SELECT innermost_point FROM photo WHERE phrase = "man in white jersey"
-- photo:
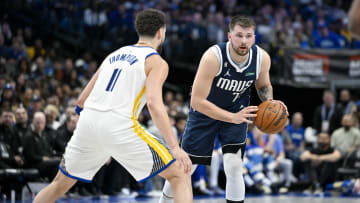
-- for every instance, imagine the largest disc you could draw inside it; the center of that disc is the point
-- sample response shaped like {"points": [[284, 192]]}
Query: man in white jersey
{"points": [[108, 127]]}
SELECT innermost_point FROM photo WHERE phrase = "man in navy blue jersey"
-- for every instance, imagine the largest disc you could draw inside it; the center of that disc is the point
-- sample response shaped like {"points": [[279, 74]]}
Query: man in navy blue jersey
{"points": [[219, 103]]}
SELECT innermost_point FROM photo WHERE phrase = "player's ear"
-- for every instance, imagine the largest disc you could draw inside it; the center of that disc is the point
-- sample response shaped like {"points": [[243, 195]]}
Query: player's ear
{"points": [[229, 36]]}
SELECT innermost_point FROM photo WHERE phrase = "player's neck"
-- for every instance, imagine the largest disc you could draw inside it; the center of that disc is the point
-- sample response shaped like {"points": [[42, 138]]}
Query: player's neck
{"points": [[146, 42]]}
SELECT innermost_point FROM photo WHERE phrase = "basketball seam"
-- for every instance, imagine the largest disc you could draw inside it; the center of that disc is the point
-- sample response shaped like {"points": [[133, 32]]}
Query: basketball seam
{"points": [[273, 119], [276, 129], [263, 114]]}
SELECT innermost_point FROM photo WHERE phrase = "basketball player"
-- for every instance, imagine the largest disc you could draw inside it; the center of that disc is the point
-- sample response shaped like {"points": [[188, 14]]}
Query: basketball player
{"points": [[354, 19], [108, 125], [219, 103]]}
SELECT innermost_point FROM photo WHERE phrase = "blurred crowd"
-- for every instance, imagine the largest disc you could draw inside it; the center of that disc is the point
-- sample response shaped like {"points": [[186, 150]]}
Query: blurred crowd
{"points": [[41, 78], [109, 23]]}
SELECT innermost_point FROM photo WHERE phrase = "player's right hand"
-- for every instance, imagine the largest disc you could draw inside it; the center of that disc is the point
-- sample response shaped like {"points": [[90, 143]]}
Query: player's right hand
{"points": [[244, 114], [183, 158]]}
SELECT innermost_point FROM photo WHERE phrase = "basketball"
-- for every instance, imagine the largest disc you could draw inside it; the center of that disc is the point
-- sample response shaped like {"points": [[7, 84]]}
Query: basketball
{"points": [[271, 117]]}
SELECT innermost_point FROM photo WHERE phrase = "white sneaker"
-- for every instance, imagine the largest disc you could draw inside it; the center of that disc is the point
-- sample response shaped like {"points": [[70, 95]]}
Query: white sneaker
{"points": [[283, 190], [266, 189]]}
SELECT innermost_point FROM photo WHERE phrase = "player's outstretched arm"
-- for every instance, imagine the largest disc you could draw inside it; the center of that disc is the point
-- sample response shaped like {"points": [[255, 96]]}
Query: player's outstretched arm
{"points": [[354, 19], [157, 70], [86, 92], [207, 71]]}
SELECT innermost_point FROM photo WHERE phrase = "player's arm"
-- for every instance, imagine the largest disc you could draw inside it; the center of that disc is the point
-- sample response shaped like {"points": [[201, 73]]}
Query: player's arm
{"points": [[86, 92], [354, 19], [207, 71], [263, 84], [157, 70]]}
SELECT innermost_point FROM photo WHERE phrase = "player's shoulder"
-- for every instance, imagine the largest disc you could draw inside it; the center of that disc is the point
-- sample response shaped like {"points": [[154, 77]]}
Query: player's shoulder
{"points": [[156, 60], [265, 55], [213, 53]]}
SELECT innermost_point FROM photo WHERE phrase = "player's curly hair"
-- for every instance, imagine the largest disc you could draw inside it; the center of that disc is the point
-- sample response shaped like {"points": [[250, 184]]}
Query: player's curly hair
{"points": [[149, 21], [243, 21]]}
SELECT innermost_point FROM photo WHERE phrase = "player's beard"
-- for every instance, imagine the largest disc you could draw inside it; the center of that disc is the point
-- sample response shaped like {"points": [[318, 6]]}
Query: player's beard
{"points": [[238, 50]]}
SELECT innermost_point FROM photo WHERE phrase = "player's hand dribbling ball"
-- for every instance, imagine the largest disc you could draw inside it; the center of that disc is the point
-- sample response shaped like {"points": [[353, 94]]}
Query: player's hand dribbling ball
{"points": [[271, 117]]}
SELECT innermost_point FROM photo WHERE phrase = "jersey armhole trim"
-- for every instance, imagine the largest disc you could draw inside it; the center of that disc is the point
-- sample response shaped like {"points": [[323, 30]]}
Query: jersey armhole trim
{"points": [[217, 52], [258, 61], [153, 53]]}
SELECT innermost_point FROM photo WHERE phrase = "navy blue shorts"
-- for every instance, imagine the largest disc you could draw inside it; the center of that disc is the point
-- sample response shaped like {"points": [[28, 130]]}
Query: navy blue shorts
{"points": [[200, 133]]}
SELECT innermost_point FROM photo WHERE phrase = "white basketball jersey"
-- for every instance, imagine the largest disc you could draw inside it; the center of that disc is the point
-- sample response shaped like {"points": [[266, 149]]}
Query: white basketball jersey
{"points": [[120, 86]]}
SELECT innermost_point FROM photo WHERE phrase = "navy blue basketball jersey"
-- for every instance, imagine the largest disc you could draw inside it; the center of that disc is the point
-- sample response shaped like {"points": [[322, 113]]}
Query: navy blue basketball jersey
{"points": [[231, 88]]}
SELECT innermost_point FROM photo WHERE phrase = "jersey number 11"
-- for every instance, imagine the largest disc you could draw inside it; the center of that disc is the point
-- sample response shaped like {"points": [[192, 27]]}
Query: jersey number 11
{"points": [[113, 80]]}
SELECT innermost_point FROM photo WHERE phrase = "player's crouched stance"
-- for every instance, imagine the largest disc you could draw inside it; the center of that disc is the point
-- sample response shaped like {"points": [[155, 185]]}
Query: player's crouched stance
{"points": [[127, 79]]}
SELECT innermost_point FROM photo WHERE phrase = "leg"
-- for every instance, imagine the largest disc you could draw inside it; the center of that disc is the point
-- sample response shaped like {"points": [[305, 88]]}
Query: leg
{"points": [[198, 140], [286, 166], [179, 181], [55, 189], [214, 169], [167, 195], [327, 174], [233, 141], [235, 186]]}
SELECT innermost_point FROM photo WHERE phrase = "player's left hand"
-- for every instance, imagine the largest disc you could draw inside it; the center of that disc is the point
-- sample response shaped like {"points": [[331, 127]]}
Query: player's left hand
{"points": [[180, 155], [282, 104]]}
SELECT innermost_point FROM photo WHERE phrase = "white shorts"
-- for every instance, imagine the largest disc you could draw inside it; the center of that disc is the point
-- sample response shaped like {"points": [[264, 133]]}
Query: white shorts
{"points": [[101, 135]]}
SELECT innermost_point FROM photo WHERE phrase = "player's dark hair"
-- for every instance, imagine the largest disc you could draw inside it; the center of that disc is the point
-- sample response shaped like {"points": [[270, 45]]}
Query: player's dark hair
{"points": [[242, 21], [148, 22]]}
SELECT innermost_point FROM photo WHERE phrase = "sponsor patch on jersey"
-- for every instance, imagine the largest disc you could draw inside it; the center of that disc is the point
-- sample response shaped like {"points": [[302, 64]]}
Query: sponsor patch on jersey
{"points": [[249, 74]]}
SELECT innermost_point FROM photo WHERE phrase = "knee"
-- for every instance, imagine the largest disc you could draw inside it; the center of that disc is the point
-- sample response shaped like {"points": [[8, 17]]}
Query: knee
{"points": [[233, 164], [175, 173]]}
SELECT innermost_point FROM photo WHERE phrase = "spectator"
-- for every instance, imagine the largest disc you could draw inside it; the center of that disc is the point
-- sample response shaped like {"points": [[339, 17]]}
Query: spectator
{"points": [[295, 133], [38, 152], [327, 117], [8, 98], [275, 146], [345, 104], [69, 111], [10, 156], [327, 39], [35, 105], [64, 133], [295, 141], [52, 114], [21, 126], [347, 138], [257, 162], [215, 167], [321, 163]]}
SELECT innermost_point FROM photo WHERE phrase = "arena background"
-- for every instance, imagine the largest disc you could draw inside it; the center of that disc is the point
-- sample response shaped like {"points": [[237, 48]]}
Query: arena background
{"points": [[66, 33]]}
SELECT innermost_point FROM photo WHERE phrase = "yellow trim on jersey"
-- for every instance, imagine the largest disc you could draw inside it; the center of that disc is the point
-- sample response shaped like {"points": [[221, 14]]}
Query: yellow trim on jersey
{"points": [[159, 148]]}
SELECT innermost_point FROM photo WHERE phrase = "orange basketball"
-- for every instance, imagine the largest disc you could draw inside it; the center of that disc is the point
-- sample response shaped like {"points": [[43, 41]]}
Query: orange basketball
{"points": [[271, 117]]}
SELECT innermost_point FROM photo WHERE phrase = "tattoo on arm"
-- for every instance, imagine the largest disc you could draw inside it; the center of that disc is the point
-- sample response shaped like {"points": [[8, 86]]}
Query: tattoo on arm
{"points": [[265, 93]]}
